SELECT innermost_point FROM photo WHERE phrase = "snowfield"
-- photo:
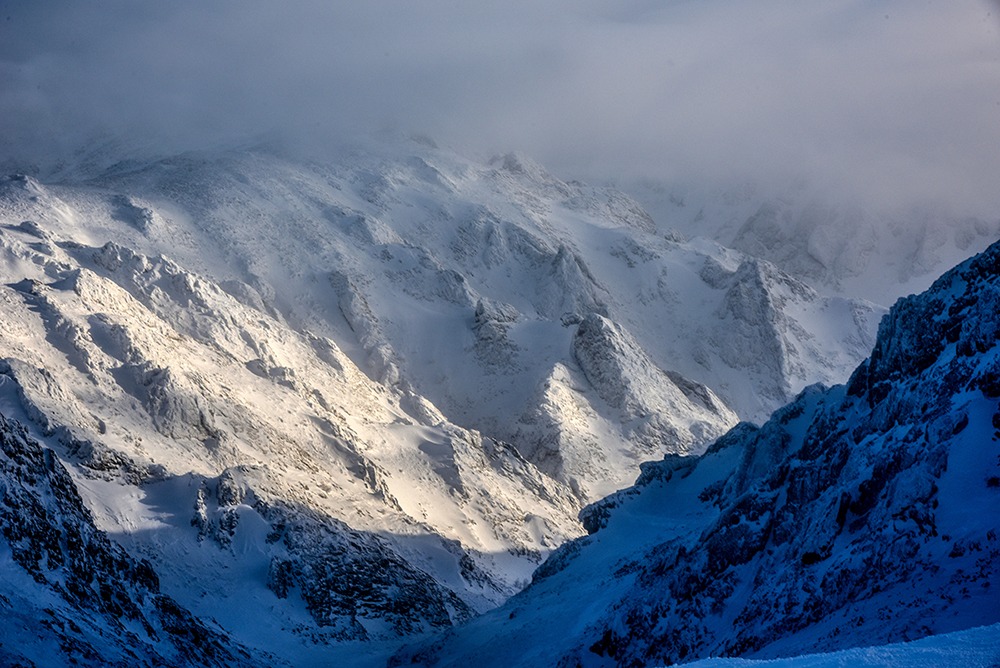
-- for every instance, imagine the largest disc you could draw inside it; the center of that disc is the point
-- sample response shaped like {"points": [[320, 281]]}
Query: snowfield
{"points": [[974, 648]]}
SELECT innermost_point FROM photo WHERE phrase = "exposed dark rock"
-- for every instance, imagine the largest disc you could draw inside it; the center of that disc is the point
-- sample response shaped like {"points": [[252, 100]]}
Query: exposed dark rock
{"points": [[110, 603]]}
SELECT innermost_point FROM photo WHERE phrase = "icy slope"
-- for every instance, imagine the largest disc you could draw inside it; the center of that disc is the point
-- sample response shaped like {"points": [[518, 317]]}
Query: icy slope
{"points": [[858, 515]]}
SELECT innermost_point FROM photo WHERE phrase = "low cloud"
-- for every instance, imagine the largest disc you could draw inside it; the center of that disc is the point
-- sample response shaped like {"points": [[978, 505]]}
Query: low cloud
{"points": [[895, 101]]}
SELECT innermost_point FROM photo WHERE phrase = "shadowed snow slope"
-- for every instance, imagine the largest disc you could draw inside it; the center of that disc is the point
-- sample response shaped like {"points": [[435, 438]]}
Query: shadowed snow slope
{"points": [[71, 595], [978, 647], [856, 515]]}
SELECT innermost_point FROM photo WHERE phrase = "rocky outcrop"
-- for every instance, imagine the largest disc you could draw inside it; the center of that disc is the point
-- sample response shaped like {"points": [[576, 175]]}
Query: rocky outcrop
{"points": [[87, 601]]}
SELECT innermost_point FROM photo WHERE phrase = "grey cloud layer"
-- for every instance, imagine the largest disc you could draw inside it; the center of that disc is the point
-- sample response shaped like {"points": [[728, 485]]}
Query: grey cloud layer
{"points": [[894, 100]]}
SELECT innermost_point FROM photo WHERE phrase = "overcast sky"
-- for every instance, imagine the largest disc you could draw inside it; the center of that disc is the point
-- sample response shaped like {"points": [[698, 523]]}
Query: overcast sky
{"points": [[891, 99]]}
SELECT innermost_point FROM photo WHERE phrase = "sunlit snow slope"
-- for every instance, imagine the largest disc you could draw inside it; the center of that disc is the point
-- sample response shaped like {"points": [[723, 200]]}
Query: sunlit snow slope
{"points": [[463, 283]]}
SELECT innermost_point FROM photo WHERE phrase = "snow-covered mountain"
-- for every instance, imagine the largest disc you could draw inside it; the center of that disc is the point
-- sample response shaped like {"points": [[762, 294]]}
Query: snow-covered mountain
{"points": [[874, 252], [857, 515], [352, 401], [463, 282]]}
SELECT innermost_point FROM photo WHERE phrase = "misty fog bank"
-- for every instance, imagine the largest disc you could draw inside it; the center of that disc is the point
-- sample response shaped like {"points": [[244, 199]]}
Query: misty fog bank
{"points": [[892, 103]]}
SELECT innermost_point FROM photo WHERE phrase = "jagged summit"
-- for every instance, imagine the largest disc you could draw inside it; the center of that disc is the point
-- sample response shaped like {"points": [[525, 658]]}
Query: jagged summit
{"points": [[652, 402]]}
